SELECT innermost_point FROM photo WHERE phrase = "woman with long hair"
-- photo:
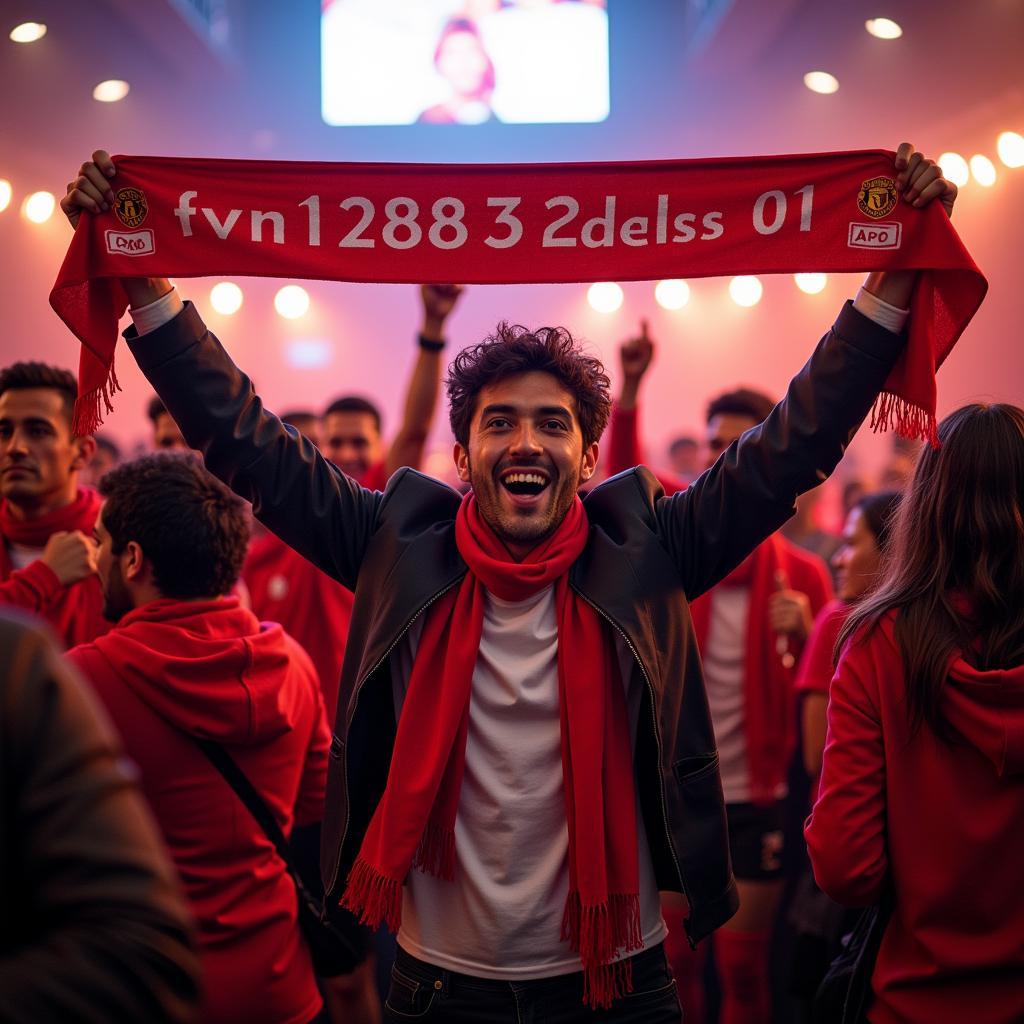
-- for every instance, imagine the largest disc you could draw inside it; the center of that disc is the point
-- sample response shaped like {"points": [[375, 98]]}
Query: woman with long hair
{"points": [[922, 787]]}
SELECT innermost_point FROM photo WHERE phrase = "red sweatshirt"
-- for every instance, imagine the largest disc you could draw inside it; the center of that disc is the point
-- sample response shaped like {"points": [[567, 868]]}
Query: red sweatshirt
{"points": [[945, 819], [75, 613], [816, 668], [171, 670]]}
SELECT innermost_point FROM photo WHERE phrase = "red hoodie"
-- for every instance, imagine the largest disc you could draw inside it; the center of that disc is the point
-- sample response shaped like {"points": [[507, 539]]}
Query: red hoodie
{"points": [[945, 819], [171, 670]]}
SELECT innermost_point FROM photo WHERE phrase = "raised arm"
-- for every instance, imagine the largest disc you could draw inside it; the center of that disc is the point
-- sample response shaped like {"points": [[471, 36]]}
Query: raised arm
{"points": [[309, 503], [421, 396], [624, 448], [750, 491]]}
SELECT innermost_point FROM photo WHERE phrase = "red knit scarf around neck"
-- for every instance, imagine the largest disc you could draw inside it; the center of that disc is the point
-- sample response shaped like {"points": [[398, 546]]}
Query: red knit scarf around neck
{"points": [[414, 823], [80, 514], [512, 224], [767, 683]]}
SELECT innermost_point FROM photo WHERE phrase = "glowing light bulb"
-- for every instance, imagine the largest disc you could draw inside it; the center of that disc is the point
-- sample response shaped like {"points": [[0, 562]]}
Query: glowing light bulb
{"points": [[110, 91], [983, 170], [746, 290], [291, 301], [672, 294], [226, 298], [28, 32], [5, 193], [39, 207], [883, 28], [954, 168], [1010, 147], [821, 81], [811, 284], [605, 296]]}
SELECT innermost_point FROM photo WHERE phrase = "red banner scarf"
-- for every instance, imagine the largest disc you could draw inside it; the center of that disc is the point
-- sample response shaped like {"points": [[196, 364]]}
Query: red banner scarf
{"points": [[80, 514], [414, 823], [509, 224], [767, 683]]}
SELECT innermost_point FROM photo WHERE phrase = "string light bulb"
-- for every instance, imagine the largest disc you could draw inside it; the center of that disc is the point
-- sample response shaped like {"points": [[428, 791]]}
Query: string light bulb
{"points": [[604, 296], [746, 290]]}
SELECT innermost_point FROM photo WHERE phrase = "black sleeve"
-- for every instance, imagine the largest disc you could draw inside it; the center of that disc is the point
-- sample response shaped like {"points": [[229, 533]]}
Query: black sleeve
{"points": [[750, 491], [306, 500], [93, 927]]}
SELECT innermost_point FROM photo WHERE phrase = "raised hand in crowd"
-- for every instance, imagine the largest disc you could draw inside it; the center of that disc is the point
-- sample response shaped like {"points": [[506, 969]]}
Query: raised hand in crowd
{"points": [[919, 181], [438, 302], [635, 356], [71, 555], [789, 611]]}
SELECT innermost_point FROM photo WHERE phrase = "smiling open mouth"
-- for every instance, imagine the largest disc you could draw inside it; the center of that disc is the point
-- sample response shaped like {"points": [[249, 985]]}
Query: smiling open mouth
{"points": [[527, 484]]}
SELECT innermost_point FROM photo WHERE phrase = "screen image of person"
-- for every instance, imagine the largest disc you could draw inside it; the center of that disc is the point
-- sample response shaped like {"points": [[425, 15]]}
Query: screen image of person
{"points": [[399, 62]]}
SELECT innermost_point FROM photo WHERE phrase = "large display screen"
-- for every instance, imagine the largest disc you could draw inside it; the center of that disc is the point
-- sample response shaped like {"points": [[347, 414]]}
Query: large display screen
{"points": [[396, 62]]}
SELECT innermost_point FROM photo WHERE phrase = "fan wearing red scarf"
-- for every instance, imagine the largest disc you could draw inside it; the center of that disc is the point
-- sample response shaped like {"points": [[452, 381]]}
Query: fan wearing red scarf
{"points": [[751, 628], [525, 756], [46, 518]]}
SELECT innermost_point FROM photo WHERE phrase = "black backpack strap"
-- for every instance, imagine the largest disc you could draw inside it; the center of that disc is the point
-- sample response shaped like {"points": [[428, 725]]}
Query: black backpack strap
{"points": [[239, 782]]}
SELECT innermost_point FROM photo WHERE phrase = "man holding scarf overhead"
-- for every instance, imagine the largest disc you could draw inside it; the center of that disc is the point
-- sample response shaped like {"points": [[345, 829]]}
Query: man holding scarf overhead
{"points": [[523, 756]]}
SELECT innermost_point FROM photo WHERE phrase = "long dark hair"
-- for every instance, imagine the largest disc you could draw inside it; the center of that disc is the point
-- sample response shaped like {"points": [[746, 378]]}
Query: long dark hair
{"points": [[955, 573]]}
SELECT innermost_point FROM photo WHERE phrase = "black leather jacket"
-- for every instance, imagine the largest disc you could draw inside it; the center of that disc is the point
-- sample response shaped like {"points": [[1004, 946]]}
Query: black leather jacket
{"points": [[646, 556]]}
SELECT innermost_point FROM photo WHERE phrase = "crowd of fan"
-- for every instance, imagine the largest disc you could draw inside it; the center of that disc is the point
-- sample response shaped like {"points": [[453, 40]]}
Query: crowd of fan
{"points": [[128, 877]]}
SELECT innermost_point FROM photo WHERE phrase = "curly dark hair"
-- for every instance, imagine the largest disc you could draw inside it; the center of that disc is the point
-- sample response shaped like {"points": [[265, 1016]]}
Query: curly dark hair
{"points": [[192, 529], [514, 349], [20, 376]]}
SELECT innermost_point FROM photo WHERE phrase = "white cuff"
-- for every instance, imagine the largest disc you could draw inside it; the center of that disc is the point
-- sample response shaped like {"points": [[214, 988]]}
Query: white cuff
{"points": [[892, 318], [155, 314]]}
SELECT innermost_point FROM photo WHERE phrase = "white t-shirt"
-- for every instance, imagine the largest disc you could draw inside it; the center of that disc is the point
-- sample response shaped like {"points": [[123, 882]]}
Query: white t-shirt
{"points": [[723, 658], [501, 916], [22, 556]]}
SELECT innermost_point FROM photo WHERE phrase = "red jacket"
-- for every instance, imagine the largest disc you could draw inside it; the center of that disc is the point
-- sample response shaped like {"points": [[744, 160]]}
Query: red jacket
{"points": [[171, 670], [75, 613], [945, 819], [312, 607], [817, 662]]}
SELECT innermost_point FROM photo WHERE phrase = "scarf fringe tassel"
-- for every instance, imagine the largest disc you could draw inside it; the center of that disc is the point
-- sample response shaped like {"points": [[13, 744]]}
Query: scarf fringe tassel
{"points": [[910, 421], [597, 933], [373, 897], [86, 418], [436, 853]]}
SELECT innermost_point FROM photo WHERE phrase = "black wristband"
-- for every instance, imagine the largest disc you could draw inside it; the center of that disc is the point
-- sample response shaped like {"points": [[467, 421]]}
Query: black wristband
{"points": [[429, 344]]}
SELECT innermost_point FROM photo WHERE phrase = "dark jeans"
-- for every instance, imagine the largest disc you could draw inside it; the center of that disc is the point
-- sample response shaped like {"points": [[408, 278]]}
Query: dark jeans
{"points": [[422, 992]]}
